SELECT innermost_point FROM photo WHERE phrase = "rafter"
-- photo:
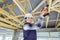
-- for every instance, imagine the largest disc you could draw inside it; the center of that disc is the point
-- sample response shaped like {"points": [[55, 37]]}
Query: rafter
{"points": [[32, 13], [10, 16], [56, 1], [56, 5], [1, 0], [14, 17], [57, 18], [7, 26], [49, 3], [57, 25], [55, 9], [4, 20], [54, 20], [38, 6], [19, 5], [11, 8], [25, 5], [30, 4]]}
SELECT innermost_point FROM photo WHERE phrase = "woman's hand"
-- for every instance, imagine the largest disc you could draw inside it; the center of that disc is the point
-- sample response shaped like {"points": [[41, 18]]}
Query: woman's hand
{"points": [[44, 11]]}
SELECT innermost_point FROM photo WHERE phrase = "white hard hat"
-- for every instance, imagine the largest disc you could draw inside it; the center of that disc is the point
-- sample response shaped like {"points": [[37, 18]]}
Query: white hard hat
{"points": [[28, 15]]}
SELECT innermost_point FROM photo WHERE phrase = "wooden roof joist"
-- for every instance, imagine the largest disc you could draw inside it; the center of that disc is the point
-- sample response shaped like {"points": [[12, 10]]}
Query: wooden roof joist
{"points": [[55, 1], [1, 0], [11, 11], [3, 16], [32, 13], [4, 20], [30, 4], [47, 19], [7, 26], [38, 6], [54, 9], [56, 6], [20, 6], [57, 25], [9, 16]]}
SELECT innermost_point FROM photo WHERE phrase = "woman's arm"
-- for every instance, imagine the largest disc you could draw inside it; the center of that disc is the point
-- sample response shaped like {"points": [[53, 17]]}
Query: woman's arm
{"points": [[44, 12], [40, 21]]}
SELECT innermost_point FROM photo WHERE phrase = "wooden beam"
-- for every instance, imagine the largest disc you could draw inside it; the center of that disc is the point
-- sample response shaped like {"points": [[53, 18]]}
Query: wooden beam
{"points": [[57, 18], [47, 20], [38, 5], [4, 20], [10, 16], [57, 25], [54, 20], [54, 9], [1, 0], [7, 26], [21, 15], [32, 13], [49, 3], [56, 1], [30, 4], [11, 10], [25, 3], [56, 6], [19, 5]]}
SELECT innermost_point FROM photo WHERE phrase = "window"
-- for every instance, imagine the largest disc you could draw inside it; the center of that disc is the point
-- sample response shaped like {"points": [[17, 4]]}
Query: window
{"points": [[8, 38], [1, 37]]}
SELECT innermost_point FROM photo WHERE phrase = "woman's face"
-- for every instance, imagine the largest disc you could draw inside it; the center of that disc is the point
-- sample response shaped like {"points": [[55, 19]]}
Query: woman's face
{"points": [[29, 20]]}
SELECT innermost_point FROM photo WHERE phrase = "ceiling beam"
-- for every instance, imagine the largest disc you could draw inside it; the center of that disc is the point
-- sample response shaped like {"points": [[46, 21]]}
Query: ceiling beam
{"points": [[1, 0], [54, 2], [7, 26], [10, 16], [57, 18], [54, 20], [11, 11], [38, 6], [30, 4], [32, 13], [19, 5], [55, 9], [47, 20], [57, 25], [11, 8], [25, 5], [4, 20], [56, 5]]}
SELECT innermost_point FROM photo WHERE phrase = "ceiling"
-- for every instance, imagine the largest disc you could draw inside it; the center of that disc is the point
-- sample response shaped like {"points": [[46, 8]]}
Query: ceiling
{"points": [[12, 12]]}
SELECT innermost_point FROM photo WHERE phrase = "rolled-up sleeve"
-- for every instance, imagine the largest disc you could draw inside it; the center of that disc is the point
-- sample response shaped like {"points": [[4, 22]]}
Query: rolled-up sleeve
{"points": [[40, 21]]}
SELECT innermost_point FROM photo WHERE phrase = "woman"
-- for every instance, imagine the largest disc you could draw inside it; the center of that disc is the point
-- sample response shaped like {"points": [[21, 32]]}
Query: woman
{"points": [[29, 28]]}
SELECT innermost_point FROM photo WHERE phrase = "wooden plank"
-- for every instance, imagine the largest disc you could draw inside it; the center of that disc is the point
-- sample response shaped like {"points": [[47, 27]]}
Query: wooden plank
{"points": [[4, 20], [7, 26], [30, 4], [9, 16], [49, 3], [57, 25], [19, 5], [54, 9], [56, 1], [38, 6]]}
